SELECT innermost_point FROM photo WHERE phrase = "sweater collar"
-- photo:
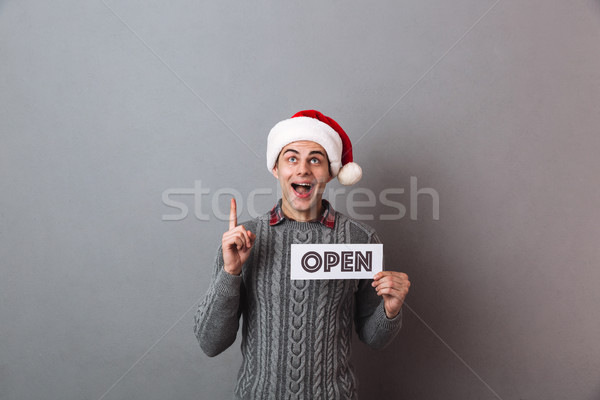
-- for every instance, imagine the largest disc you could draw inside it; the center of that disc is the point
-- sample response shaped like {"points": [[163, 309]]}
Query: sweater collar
{"points": [[326, 218]]}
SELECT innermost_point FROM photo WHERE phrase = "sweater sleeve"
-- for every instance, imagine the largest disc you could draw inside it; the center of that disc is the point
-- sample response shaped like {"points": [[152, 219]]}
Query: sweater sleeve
{"points": [[372, 324], [217, 319]]}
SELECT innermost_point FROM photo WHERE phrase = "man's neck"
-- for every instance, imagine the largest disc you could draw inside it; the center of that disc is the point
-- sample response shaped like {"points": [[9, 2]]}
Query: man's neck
{"points": [[302, 216]]}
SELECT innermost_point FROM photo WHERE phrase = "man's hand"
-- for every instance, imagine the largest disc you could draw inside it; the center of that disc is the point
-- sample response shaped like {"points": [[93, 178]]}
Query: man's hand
{"points": [[393, 286], [236, 243]]}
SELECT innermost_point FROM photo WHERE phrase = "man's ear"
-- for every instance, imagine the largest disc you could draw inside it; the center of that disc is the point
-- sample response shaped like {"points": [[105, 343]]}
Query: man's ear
{"points": [[330, 174], [274, 171]]}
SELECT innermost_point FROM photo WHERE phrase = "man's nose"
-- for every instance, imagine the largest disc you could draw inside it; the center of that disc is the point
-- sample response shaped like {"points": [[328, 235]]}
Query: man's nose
{"points": [[303, 168]]}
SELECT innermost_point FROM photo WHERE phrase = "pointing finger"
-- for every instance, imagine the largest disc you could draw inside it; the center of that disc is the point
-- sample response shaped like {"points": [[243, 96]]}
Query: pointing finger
{"points": [[232, 214]]}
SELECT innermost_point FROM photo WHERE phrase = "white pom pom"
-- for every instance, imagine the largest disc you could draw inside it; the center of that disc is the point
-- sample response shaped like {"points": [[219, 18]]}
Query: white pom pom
{"points": [[350, 174]]}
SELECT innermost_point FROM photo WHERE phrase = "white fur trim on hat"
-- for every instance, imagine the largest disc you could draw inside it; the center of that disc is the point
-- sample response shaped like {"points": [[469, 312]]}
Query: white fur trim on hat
{"points": [[350, 173], [305, 128]]}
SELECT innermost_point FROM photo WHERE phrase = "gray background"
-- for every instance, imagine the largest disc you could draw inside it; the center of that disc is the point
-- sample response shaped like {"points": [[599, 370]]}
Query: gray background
{"points": [[105, 105]]}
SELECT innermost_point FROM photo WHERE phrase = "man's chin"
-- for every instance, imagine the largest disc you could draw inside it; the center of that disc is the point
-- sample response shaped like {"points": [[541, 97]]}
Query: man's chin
{"points": [[303, 204]]}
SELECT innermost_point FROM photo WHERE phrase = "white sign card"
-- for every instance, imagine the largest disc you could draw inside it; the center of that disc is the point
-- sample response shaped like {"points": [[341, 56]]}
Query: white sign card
{"points": [[336, 261]]}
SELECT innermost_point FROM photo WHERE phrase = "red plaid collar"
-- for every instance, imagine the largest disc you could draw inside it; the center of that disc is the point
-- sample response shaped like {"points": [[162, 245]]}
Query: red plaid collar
{"points": [[327, 218]]}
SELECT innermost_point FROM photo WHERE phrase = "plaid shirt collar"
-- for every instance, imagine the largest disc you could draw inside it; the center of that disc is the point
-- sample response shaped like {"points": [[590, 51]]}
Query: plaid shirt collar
{"points": [[327, 218]]}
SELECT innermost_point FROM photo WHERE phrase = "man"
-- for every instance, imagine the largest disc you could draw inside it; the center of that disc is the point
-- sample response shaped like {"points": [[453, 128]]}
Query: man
{"points": [[296, 336]]}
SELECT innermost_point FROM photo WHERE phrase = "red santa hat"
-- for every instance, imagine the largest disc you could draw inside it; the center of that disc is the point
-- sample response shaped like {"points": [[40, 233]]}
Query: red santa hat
{"points": [[316, 127]]}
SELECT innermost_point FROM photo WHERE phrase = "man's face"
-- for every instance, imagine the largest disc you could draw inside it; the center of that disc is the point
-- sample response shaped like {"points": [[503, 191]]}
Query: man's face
{"points": [[302, 169]]}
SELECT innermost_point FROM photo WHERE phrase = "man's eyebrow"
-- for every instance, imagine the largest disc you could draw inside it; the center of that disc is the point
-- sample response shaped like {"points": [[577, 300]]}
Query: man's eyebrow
{"points": [[312, 152]]}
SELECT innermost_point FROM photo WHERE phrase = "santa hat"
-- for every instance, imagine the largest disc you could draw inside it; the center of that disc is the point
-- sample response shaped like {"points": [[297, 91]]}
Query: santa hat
{"points": [[316, 127]]}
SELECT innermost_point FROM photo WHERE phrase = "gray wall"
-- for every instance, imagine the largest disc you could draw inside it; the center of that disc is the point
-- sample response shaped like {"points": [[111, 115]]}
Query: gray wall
{"points": [[105, 105]]}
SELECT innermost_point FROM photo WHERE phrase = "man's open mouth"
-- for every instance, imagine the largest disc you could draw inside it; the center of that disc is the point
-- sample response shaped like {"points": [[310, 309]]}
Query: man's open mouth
{"points": [[302, 189]]}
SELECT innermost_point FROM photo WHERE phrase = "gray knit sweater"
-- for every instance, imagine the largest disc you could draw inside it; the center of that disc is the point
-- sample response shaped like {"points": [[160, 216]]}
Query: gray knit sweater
{"points": [[296, 335]]}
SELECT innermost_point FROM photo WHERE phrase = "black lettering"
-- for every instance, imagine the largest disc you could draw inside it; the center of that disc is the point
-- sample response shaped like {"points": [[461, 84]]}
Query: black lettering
{"points": [[346, 261], [311, 255], [361, 261], [331, 260]]}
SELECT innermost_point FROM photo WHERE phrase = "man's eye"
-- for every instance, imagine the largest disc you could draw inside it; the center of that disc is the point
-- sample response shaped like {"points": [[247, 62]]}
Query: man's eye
{"points": [[315, 160], [292, 159]]}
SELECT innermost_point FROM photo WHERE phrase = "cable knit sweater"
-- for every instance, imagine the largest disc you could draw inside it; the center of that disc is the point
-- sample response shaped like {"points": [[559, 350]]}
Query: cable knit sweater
{"points": [[296, 335]]}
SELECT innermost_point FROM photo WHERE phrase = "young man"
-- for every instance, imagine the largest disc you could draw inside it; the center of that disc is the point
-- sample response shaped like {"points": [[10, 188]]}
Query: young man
{"points": [[296, 336]]}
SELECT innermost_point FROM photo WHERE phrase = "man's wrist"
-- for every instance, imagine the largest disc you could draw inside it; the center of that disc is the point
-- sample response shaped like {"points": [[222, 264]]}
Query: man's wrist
{"points": [[391, 315], [233, 271]]}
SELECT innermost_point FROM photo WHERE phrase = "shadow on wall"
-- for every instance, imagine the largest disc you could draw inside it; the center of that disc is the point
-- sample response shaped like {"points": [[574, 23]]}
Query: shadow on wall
{"points": [[596, 6], [417, 365], [402, 369]]}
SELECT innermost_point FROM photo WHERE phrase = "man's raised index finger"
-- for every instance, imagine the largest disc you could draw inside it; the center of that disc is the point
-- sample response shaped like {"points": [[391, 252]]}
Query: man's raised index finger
{"points": [[233, 214]]}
